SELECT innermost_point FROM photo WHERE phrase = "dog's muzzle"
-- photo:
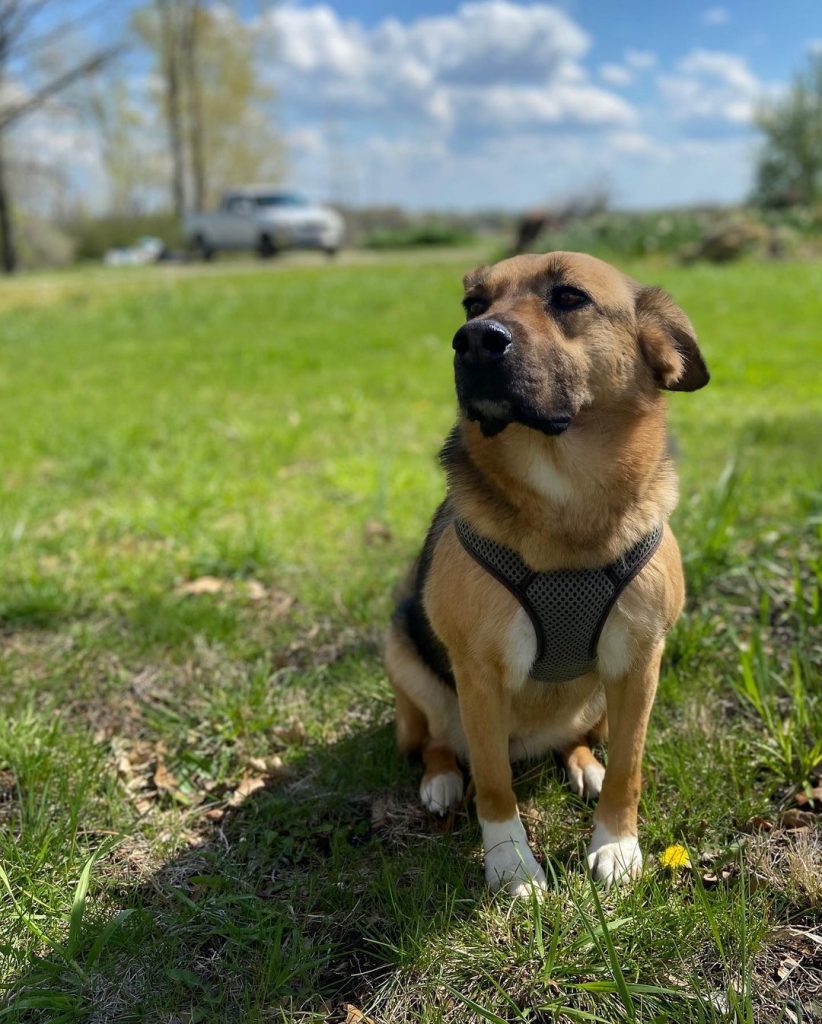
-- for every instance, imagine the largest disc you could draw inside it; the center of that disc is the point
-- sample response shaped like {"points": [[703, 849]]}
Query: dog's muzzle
{"points": [[489, 382]]}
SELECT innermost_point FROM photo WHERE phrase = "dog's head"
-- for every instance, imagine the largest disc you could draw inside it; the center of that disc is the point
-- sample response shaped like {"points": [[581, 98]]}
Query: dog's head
{"points": [[550, 336]]}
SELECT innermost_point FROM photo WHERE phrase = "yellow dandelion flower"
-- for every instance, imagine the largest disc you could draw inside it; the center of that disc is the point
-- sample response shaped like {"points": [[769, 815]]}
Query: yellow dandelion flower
{"points": [[675, 857]]}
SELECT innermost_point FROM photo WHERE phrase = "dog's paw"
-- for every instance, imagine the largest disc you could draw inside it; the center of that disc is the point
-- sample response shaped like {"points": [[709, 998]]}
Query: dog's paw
{"points": [[441, 793], [509, 862], [586, 781], [614, 859]]}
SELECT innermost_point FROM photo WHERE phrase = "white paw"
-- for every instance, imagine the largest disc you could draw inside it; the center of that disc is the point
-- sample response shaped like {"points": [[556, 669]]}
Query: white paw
{"points": [[586, 782], [508, 858], [440, 793], [614, 859]]}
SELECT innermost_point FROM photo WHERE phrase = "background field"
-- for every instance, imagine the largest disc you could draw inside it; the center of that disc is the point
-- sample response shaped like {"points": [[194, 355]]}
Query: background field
{"points": [[202, 817]]}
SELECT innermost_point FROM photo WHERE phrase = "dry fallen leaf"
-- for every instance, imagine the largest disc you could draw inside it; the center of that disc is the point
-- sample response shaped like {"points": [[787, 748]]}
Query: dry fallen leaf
{"points": [[255, 591], [291, 734], [163, 779], [203, 585], [712, 878], [376, 532], [812, 800], [247, 786], [757, 824], [787, 966], [355, 1016], [281, 603], [794, 820]]}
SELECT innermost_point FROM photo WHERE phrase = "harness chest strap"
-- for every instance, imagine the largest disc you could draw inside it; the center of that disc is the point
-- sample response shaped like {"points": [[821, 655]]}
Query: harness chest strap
{"points": [[568, 607]]}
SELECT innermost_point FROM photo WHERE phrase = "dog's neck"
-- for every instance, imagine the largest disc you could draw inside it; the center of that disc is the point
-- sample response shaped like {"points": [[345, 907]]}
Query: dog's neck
{"points": [[579, 499]]}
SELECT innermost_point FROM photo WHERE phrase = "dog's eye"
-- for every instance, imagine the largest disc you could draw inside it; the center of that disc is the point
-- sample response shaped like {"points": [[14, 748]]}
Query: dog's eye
{"points": [[474, 307], [565, 298]]}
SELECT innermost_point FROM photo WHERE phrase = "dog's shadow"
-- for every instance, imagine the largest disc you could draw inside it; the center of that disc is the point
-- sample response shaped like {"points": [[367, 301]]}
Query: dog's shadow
{"points": [[308, 894]]}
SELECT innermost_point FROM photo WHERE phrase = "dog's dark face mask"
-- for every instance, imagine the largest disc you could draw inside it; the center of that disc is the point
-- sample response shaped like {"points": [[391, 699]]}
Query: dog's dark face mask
{"points": [[498, 382], [550, 336]]}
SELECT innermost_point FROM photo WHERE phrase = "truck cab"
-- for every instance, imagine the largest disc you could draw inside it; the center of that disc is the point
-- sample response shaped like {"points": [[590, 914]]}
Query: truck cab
{"points": [[266, 220]]}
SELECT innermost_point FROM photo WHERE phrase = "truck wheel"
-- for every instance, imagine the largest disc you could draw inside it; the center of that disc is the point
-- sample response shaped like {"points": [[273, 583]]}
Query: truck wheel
{"points": [[331, 251], [204, 248], [266, 247]]}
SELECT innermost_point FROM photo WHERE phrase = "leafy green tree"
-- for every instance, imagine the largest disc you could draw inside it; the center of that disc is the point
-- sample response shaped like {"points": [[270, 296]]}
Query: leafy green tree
{"points": [[219, 119], [34, 70], [789, 171], [106, 105]]}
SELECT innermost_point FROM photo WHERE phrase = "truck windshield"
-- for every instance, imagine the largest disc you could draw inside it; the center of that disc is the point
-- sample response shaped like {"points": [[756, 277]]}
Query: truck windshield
{"points": [[280, 200]]}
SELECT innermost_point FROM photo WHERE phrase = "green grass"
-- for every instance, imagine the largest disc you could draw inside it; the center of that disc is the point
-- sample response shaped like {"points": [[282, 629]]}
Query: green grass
{"points": [[277, 430]]}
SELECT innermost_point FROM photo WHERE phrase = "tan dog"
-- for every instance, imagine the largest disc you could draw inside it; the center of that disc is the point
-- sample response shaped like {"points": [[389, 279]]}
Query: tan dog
{"points": [[559, 486]]}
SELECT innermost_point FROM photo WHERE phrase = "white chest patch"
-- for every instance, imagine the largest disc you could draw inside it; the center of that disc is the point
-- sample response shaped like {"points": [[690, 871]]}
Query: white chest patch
{"points": [[521, 648], [544, 478]]}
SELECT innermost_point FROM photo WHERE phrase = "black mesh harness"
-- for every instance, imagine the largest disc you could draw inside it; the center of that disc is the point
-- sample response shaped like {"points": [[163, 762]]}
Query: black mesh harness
{"points": [[568, 607]]}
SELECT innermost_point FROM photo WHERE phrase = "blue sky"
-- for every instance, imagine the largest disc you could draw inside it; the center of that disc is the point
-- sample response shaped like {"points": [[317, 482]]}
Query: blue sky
{"points": [[492, 103], [652, 101]]}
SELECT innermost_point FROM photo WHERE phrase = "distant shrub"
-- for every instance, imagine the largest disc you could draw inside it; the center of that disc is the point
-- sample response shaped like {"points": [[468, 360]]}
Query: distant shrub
{"points": [[805, 220], [715, 234], [630, 234], [426, 233], [730, 239], [93, 236], [42, 243]]}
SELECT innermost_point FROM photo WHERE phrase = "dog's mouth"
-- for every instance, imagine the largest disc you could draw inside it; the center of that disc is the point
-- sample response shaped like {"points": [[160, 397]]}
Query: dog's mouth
{"points": [[494, 416]]}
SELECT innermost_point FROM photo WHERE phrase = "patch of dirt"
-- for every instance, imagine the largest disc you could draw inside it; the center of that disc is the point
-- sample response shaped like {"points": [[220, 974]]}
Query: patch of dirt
{"points": [[325, 643], [788, 975]]}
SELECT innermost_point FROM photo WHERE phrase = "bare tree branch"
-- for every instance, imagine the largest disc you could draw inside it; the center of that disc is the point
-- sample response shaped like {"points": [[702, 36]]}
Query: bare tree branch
{"points": [[87, 67]]}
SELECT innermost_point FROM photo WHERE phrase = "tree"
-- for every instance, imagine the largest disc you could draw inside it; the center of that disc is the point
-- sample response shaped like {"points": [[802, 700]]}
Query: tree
{"points": [[31, 34], [107, 106], [192, 75], [217, 112], [790, 165]]}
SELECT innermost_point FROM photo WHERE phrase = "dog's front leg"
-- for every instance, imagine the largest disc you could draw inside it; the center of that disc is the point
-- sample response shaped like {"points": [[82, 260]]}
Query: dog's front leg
{"points": [[484, 703], [614, 854]]}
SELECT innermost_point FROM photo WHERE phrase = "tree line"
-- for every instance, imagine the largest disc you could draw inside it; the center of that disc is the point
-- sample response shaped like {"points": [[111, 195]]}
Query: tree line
{"points": [[209, 118], [206, 118]]}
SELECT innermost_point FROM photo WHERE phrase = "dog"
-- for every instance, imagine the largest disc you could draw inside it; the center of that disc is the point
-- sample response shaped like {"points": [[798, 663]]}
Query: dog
{"points": [[535, 617]]}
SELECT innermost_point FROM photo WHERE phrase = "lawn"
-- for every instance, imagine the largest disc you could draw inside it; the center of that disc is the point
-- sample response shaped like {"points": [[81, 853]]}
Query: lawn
{"points": [[210, 483]]}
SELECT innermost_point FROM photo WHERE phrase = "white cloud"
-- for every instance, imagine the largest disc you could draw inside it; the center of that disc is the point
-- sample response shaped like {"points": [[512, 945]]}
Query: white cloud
{"points": [[313, 39], [615, 74], [715, 16], [492, 40], [632, 142], [491, 62], [492, 103], [566, 104], [713, 86], [305, 142], [495, 103], [640, 60]]}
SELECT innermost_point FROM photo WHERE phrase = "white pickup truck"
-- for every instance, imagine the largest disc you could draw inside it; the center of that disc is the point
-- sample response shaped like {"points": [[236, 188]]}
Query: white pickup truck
{"points": [[262, 218]]}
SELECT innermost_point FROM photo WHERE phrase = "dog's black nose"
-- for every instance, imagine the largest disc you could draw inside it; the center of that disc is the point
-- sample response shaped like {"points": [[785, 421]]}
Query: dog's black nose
{"points": [[482, 341]]}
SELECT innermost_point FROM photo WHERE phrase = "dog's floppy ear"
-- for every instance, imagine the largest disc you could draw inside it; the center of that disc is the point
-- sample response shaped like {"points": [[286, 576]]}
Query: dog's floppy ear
{"points": [[668, 342]]}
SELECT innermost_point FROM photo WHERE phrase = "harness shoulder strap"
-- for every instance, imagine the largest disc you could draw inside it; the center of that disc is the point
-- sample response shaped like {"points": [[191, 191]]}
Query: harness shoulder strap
{"points": [[568, 607]]}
